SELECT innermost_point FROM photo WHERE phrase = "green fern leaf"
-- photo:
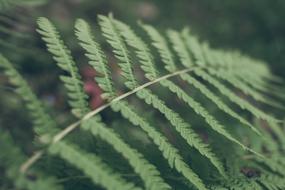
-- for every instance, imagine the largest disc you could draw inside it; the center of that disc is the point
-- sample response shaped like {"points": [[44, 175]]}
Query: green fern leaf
{"points": [[180, 125], [183, 128], [203, 89], [92, 166], [43, 123], [149, 174], [147, 171], [73, 83], [172, 155], [11, 157], [272, 182], [115, 40], [142, 51], [160, 43], [96, 56], [229, 77], [200, 110], [223, 89], [235, 99]]}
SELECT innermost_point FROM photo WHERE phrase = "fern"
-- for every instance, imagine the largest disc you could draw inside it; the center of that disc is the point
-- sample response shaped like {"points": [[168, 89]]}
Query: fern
{"points": [[10, 150], [43, 123], [272, 182], [246, 89], [202, 69], [89, 163], [182, 127], [96, 56], [115, 40], [224, 90], [148, 66], [146, 170], [172, 155], [167, 57], [168, 151], [77, 97]]}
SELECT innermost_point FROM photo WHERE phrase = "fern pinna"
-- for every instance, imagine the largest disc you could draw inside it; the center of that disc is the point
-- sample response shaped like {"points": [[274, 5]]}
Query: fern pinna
{"points": [[180, 142]]}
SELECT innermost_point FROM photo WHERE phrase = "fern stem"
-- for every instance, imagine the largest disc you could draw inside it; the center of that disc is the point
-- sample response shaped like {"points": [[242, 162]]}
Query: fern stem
{"points": [[59, 136]]}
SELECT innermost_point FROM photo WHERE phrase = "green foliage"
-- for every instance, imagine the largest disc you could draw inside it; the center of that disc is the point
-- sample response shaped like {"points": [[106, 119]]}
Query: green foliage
{"points": [[6, 4], [11, 157], [72, 82], [239, 153], [88, 163], [96, 56], [43, 123]]}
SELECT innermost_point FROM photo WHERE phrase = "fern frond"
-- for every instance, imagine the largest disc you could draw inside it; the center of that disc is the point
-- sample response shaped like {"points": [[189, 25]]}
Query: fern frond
{"points": [[142, 51], [235, 99], [272, 182], [185, 59], [179, 46], [223, 89], [175, 160], [239, 170], [180, 125], [200, 110], [147, 171], [114, 38], [263, 87], [149, 174], [239, 76], [73, 83], [10, 150], [229, 77], [92, 166], [183, 128], [241, 183], [169, 152], [277, 130], [43, 123], [145, 58], [160, 43], [272, 164], [259, 84], [167, 57], [96, 56], [204, 90]]}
